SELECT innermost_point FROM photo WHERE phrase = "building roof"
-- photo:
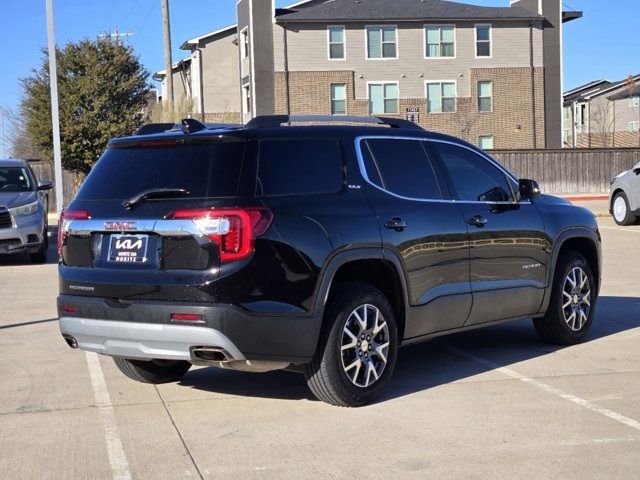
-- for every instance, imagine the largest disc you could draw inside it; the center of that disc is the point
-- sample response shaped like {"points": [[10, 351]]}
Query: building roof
{"points": [[159, 75], [194, 42], [627, 93], [381, 10], [595, 89]]}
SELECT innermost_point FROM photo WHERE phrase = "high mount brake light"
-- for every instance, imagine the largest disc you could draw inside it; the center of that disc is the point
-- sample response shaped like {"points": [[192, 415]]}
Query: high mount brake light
{"points": [[63, 225], [234, 230]]}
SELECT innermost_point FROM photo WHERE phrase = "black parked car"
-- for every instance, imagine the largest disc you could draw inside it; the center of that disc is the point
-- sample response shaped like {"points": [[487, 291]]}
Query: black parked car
{"points": [[320, 249]]}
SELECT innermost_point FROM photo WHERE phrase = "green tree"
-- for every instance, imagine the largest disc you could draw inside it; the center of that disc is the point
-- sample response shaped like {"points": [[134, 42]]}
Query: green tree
{"points": [[102, 90]]}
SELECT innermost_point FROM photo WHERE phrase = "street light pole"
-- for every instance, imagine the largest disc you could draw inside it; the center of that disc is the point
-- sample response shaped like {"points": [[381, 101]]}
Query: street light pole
{"points": [[55, 118]]}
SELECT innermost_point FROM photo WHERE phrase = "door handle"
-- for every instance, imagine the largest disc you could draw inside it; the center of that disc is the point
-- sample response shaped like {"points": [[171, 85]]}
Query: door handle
{"points": [[396, 223], [477, 221]]}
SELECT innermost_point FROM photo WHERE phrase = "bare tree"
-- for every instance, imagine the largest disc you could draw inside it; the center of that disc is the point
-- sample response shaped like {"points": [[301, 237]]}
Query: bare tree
{"points": [[633, 88], [464, 121], [16, 136], [602, 121]]}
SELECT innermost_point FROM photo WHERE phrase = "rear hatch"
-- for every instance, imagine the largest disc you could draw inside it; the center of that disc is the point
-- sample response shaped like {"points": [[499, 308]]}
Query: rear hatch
{"points": [[155, 219]]}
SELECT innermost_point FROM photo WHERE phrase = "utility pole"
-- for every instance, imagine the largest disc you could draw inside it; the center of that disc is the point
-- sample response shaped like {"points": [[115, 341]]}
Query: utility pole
{"points": [[166, 28], [55, 118]]}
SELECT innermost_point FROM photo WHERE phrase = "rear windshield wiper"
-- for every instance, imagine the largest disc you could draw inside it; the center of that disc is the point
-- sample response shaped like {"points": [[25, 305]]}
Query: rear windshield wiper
{"points": [[154, 193]]}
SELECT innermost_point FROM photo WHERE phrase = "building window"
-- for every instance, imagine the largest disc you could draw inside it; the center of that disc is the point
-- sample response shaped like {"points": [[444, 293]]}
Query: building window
{"points": [[634, 102], [567, 113], [441, 97], [338, 99], [440, 41], [483, 41], [246, 90], [485, 142], [383, 98], [485, 96], [634, 126], [244, 42], [336, 43], [566, 133], [382, 42]]}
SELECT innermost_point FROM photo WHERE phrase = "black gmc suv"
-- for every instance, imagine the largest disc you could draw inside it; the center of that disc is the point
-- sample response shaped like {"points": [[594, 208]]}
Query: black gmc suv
{"points": [[317, 248]]}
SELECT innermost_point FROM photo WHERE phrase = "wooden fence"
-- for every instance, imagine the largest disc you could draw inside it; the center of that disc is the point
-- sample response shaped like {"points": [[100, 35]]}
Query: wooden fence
{"points": [[570, 170], [71, 182], [566, 171]]}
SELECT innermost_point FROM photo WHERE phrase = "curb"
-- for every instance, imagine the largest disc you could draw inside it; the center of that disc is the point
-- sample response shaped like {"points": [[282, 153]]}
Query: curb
{"points": [[586, 198]]}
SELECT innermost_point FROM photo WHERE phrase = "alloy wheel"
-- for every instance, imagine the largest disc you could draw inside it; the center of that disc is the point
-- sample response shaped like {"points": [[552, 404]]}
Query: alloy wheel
{"points": [[576, 299], [364, 347], [619, 208]]}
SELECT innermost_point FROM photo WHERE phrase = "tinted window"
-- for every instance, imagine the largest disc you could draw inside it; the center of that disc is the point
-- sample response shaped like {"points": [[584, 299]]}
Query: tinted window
{"points": [[474, 177], [205, 170], [15, 179], [402, 167], [299, 166]]}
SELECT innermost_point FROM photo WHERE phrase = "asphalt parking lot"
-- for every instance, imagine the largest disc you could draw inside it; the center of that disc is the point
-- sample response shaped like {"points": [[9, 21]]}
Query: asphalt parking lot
{"points": [[492, 403]]}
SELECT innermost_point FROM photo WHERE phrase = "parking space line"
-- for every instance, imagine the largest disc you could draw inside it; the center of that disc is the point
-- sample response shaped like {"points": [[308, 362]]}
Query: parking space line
{"points": [[117, 457], [598, 441], [24, 324], [630, 422]]}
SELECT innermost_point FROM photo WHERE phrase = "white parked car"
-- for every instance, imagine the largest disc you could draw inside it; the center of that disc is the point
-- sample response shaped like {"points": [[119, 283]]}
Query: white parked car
{"points": [[624, 201]]}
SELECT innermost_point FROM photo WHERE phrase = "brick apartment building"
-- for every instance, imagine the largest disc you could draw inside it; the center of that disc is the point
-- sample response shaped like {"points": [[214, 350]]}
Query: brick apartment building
{"points": [[489, 74]]}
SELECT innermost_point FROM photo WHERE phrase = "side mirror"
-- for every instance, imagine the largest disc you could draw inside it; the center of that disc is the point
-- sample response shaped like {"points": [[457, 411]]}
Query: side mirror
{"points": [[529, 189], [45, 185], [636, 169]]}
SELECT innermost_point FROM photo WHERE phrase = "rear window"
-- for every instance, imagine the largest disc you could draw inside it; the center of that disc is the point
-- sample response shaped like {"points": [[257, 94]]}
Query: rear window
{"points": [[299, 166], [209, 169]]}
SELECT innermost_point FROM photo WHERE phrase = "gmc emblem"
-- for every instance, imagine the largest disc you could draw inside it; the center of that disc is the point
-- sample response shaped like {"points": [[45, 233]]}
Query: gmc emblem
{"points": [[120, 226]]}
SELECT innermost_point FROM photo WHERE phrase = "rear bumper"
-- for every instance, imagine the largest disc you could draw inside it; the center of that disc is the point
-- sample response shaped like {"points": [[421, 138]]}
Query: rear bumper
{"points": [[143, 329], [143, 340]]}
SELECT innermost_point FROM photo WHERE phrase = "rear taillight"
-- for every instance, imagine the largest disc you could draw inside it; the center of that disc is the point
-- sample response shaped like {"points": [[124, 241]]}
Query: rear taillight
{"points": [[232, 229], [63, 225], [186, 317]]}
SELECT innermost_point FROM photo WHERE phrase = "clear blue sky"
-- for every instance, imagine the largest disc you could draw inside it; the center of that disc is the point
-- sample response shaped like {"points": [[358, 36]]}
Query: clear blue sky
{"points": [[600, 45]]}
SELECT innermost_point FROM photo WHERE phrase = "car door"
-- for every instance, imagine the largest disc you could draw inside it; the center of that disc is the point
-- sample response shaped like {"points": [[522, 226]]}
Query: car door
{"points": [[425, 229], [508, 247]]}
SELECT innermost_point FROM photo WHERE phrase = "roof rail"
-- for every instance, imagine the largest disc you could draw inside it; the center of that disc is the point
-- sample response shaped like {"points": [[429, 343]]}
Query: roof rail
{"points": [[272, 121]]}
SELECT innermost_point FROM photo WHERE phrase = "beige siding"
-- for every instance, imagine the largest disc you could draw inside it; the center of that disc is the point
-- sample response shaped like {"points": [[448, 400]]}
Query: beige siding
{"points": [[307, 51], [220, 75]]}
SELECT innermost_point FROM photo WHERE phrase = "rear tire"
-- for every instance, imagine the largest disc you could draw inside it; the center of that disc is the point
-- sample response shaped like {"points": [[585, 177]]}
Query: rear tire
{"points": [[153, 371], [571, 307], [358, 347], [621, 210]]}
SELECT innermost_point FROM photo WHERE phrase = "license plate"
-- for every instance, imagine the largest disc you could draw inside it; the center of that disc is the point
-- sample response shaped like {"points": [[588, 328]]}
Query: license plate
{"points": [[128, 248]]}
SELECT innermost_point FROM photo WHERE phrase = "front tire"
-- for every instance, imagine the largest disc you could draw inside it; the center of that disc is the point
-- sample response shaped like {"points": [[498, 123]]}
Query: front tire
{"points": [[572, 304], [358, 348], [153, 371], [621, 210], [40, 255]]}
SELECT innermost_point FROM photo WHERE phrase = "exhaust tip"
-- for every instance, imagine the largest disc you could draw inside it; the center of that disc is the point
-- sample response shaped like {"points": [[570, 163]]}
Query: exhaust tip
{"points": [[72, 342], [211, 354]]}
